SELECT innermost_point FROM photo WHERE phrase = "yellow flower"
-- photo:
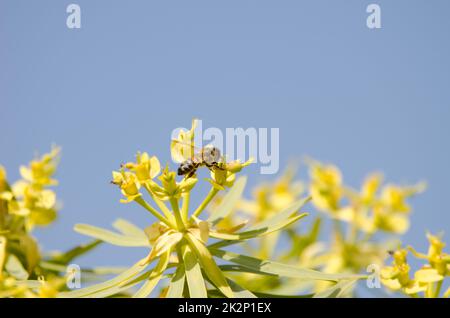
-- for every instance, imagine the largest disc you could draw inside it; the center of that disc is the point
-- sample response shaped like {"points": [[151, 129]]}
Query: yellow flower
{"points": [[394, 198], [370, 188], [273, 197], [3, 181], [438, 260], [220, 179], [183, 147], [388, 221], [224, 176], [397, 277], [170, 188], [41, 171], [128, 183], [145, 168], [326, 186]]}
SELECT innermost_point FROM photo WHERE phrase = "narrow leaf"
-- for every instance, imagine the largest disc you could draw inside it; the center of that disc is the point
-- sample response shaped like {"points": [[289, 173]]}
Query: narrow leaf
{"points": [[229, 201], [279, 269], [155, 277], [338, 290], [128, 228], [176, 285], [70, 255], [110, 284], [111, 237], [209, 265], [281, 216], [194, 275], [14, 267]]}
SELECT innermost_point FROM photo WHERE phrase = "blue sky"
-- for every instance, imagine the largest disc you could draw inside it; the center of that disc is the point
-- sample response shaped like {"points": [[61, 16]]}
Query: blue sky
{"points": [[366, 100]]}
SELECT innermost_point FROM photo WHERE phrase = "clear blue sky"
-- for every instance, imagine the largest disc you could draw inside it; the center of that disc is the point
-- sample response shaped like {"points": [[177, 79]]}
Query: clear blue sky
{"points": [[363, 99]]}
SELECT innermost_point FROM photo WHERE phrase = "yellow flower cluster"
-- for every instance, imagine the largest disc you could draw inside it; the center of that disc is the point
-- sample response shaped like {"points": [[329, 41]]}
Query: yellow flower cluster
{"points": [[30, 197], [27, 203], [371, 209], [428, 279]]}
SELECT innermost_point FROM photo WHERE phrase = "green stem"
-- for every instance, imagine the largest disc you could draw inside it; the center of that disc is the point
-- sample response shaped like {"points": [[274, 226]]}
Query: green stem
{"points": [[438, 288], [152, 210], [185, 206], [177, 213], [159, 203], [212, 193]]}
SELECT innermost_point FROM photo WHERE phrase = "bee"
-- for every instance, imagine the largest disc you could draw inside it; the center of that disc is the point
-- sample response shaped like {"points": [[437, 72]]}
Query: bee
{"points": [[208, 156]]}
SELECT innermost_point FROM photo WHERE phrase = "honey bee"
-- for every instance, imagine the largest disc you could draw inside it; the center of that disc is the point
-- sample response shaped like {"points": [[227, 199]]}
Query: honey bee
{"points": [[208, 156]]}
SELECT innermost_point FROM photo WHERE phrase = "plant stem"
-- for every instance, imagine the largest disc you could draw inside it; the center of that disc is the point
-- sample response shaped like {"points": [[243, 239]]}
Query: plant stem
{"points": [[212, 193], [152, 210], [159, 203], [177, 213], [185, 206], [438, 288]]}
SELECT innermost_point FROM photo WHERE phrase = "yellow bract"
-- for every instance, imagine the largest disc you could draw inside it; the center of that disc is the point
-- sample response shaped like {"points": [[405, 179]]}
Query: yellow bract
{"points": [[40, 171], [145, 167], [183, 147], [325, 187], [128, 183]]}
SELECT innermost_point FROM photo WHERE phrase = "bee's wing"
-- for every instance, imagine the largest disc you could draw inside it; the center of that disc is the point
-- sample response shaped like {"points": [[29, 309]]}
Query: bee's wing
{"points": [[182, 150]]}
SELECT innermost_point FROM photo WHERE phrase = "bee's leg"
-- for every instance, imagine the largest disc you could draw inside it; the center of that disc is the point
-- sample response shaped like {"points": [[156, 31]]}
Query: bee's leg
{"points": [[190, 174]]}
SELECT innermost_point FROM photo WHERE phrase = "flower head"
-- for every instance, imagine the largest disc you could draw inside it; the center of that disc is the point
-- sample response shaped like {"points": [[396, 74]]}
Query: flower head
{"points": [[128, 183], [183, 147], [41, 170], [145, 167], [326, 186]]}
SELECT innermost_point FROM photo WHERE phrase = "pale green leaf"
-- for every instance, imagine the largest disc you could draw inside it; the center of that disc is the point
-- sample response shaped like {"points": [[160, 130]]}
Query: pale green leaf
{"points": [[67, 257], [229, 201], [155, 277], [255, 232], [2, 252], [209, 265], [338, 290], [281, 216], [279, 269], [194, 276], [128, 228], [111, 237], [176, 285], [111, 285], [14, 267]]}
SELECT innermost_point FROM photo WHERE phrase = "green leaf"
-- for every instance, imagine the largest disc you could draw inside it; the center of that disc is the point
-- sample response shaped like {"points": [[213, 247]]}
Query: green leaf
{"points": [[255, 232], [269, 295], [165, 242], [209, 265], [273, 224], [2, 252], [229, 201], [111, 237], [128, 228], [32, 284], [110, 286], [338, 290], [176, 285], [194, 276], [279, 269], [14, 267], [155, 277], [282, 216], [70, 255], [239, 292], [242, 269]]}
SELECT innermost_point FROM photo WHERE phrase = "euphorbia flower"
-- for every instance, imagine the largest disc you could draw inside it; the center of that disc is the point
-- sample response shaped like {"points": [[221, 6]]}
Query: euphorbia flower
{"points": [[145, 167], [128, 183]]}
